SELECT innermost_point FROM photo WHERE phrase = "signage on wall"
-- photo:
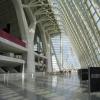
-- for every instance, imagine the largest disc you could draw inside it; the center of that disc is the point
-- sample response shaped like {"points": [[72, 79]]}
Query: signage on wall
{"points": [[94, 79]]}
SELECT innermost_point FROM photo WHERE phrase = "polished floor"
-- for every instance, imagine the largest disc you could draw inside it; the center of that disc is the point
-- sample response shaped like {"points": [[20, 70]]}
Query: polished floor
{"points": [[44, 87]]}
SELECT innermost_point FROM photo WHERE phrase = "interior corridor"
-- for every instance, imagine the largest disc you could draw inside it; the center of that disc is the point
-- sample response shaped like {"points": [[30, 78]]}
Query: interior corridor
{"points": [[49, 49]]}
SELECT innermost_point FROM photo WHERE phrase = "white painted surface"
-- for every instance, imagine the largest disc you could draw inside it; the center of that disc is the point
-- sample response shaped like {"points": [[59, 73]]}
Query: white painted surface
{"points": [[12, 44], [11, 59]]}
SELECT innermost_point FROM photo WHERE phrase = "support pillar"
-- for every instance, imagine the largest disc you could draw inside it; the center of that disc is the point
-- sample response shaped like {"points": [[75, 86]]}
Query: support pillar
{"points": [[49, 56], [27, 35]]}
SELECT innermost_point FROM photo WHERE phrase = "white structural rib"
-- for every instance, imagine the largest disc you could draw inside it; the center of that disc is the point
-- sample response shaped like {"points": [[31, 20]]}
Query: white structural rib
{"points": [[39, 55], [12, 44], [11, 59]]}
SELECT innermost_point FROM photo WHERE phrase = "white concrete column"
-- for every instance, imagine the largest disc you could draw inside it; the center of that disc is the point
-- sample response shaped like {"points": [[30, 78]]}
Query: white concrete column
{"points": [[50, 69], [30, 56], [28, 35]]}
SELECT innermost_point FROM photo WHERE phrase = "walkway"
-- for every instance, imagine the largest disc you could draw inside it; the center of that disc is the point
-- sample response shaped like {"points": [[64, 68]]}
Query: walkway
{"points": [[45, 88]]}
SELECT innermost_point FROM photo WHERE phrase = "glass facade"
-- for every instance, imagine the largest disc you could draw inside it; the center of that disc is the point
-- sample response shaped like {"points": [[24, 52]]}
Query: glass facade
{"points": [[63, 55], [80, 20]]}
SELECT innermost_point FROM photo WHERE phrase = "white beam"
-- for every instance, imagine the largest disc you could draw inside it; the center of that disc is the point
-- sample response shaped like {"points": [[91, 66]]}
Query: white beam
{"points": [[34, 5]]}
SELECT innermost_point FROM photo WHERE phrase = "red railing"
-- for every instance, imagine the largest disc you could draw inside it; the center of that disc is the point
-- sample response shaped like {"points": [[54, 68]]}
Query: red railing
{"points": [[11, 38]]}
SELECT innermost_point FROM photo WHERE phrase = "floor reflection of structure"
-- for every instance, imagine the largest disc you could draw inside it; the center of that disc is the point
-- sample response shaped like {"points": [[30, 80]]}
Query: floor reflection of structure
{"points": [[50, 87]]}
